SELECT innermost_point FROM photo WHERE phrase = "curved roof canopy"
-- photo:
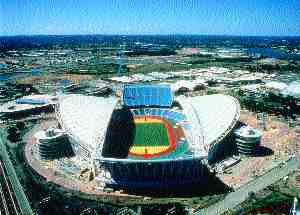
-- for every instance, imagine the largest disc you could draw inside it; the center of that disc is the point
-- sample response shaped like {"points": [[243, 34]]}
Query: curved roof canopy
{"points": [[215, 114], [86, 118]]}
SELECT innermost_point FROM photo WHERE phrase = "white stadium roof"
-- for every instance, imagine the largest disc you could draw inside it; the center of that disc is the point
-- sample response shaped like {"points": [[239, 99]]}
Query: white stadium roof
{"points": [[210, 118], [216, 115], [86, 118]]}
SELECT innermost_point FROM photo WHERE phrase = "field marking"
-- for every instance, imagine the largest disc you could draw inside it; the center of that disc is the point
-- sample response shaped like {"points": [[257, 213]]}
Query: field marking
{"points": [[148, 120], [149, 149]]}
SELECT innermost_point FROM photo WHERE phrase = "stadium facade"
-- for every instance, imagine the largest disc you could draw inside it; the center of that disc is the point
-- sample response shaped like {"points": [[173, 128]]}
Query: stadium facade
{"points": [[147, 138]]}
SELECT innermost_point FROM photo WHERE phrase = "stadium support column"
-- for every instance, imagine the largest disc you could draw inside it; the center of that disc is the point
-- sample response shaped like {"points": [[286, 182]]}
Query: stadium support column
{"points": [[93, 169]]}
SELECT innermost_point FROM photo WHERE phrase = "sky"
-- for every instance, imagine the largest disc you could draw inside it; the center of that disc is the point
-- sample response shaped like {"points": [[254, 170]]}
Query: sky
{"points": [[204, 17]]}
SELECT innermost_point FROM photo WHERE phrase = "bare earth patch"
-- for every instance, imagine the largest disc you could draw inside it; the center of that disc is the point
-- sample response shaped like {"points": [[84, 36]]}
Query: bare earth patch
{"points": [[278, 137]]}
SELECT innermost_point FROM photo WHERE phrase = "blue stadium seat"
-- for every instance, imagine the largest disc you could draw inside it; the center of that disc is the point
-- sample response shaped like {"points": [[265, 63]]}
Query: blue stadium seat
{"points": [[135, 112], [172, 115], [153, 111], [142, 112], [168, 114], [163, 113], [147, 95], [156, 112], [179, 116]]}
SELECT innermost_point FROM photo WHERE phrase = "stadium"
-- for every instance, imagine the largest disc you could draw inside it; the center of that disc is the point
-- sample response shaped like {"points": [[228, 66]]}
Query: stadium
{"points": [[148, 137]]}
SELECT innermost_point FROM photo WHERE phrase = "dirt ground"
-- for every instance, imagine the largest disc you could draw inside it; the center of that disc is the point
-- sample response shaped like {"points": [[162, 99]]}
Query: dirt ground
{"points": [[53, 78], [278, 138]]}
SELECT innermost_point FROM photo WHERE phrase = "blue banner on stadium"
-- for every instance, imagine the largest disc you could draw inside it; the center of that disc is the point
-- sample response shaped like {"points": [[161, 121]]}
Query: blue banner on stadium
{"points": [[147, 95]]}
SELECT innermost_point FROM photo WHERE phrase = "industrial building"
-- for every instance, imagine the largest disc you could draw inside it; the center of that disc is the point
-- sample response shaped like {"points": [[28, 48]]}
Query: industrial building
{"points": [[31, 104]]}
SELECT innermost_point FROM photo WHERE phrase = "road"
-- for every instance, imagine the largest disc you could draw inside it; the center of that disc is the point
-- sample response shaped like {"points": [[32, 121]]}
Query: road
{"points": [[13, 200], [9, 203], [235, 198]]}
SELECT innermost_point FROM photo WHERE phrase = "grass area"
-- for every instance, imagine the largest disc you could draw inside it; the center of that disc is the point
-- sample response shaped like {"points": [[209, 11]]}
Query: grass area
{"points": [[193, 62], [150, 134], [161, 67]]}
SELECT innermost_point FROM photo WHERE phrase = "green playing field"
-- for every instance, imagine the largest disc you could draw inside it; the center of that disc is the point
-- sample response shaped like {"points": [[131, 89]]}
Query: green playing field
{"points": [[150, 134]]}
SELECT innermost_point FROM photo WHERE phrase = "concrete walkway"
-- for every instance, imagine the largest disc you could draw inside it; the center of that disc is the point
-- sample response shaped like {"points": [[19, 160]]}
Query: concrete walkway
{"points": [[235, 198]]}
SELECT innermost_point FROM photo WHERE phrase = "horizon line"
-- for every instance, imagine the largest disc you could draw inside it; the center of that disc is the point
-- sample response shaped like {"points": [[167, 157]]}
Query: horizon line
{"points": [[147, 34]]}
